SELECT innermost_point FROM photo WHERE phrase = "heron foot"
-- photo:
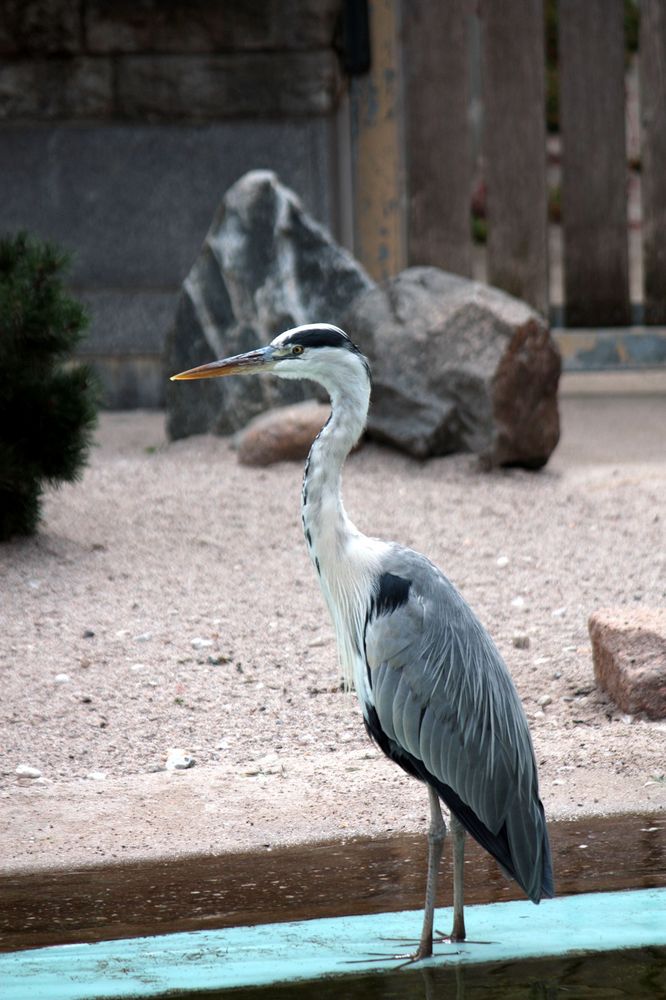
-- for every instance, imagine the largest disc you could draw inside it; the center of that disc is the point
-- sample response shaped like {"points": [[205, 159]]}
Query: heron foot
{"points": [[440, 938], [405, 960], [422, 952]]}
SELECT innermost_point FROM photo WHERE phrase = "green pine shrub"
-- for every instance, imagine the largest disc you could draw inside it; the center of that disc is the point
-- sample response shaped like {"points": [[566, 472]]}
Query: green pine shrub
{"points": [[48, 406]]}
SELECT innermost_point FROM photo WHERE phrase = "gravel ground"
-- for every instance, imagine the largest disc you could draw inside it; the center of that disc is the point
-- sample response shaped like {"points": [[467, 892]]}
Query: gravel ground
{"points": [[168, 602]]}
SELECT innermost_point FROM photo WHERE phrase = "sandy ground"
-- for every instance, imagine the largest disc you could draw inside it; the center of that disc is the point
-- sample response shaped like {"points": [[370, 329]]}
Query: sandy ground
{"points": [[168, 602]]}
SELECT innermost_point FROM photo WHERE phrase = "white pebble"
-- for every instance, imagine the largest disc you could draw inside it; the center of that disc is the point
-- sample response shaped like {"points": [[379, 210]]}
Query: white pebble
{"points": [[518, 602], [178, 760], [199, 643], [144, 637], [26, 771], [270, 764], [559, 612], [545, 700], [321, 640], [61, 679], [96, 776], [137, 667], [502, 561]]}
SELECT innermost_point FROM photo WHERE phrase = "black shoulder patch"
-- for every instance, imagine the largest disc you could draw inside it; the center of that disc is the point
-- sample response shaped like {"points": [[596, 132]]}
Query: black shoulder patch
{"points": [[392, 592]]}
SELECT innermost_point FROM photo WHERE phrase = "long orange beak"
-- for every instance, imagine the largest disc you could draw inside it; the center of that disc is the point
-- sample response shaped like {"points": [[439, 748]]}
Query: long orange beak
{"points": [[241, 364]]}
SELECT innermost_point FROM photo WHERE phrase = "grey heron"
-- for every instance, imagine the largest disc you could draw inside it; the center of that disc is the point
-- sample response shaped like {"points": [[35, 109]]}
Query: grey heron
{"points": [[435, 694]]}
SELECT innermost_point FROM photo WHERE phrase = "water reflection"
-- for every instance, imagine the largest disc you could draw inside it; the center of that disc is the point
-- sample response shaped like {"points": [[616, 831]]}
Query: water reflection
{"points": [[639, 975]]}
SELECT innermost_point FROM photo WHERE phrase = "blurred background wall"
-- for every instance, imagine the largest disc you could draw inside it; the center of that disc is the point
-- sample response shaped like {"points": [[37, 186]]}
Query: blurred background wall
{"points": [[521, 142]]}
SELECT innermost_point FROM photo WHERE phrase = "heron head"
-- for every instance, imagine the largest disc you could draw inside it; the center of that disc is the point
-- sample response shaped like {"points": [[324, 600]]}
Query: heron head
{"points": [[316, 351]]}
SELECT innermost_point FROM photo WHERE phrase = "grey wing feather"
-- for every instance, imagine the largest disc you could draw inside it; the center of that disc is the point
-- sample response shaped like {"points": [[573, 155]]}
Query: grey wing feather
{"points": [[443, 694]]}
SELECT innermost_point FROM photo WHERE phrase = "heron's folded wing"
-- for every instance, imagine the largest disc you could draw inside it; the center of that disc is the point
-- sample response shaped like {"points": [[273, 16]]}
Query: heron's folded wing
{"points": [[443, 695]]}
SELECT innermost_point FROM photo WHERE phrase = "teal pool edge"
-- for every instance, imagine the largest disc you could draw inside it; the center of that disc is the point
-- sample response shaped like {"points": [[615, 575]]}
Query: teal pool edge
{"points": [[338, 946]]}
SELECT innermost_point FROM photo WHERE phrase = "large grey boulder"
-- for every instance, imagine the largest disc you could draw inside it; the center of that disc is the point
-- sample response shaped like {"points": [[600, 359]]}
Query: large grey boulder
{"points": [[458, 366], [265, 266]]}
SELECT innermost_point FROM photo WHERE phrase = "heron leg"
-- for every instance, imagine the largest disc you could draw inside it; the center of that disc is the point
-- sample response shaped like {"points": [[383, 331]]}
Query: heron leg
{"points": [[458, 834], [436, 835]]}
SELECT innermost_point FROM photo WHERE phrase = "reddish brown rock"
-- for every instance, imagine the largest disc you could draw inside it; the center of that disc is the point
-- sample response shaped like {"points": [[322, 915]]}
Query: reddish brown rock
{"points": [[629, 654], [283, 434]]}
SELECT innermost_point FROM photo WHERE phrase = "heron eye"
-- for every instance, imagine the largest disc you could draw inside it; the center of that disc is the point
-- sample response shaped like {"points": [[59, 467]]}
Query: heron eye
{"points": [[297, 349]]}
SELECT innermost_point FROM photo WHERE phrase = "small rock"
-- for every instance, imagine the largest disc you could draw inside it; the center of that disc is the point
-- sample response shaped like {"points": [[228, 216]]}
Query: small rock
{"points": [[26, 771], [88, 633], [521, 641], [144, 637], [251, 771], [629, 656], [559, 612], [199, 643], [270, 764], [502, 561], [544, 701], [137, 667], [61, 679], [518, 602], [283, 434], [96, 776], [178, 760]]}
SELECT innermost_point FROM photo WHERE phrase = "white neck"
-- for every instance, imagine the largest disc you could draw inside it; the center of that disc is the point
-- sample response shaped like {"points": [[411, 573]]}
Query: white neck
{"points": [[343, 557], [325, 521]]}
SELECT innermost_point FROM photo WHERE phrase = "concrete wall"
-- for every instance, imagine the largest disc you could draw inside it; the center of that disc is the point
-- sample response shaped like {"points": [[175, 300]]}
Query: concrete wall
{"points": [[123, 123]]}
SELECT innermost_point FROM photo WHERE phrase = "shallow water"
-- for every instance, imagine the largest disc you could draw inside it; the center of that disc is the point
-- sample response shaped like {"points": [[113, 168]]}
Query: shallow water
{"points": [[360, 876]]}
